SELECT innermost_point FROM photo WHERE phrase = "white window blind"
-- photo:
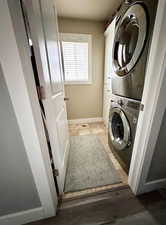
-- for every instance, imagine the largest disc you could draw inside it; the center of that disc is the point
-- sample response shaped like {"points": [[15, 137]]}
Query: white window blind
{"points": [[76, 49]]}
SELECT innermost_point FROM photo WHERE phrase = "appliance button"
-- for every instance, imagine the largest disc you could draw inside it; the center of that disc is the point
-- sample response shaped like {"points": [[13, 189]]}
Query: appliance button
{"points": [[134, 120], [120, 102]]}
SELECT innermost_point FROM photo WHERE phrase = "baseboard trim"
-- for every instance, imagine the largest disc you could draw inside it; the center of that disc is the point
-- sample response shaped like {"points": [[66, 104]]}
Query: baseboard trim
{"points": [[153, 185], [23, 217], [86, 120]]}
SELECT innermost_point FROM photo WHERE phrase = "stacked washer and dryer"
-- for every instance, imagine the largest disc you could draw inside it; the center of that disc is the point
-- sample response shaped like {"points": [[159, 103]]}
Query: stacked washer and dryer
{"points": [[133, 34]]}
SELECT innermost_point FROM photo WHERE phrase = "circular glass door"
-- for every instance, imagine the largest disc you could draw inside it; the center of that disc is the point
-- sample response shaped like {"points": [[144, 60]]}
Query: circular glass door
{"points": [[129, 39], [119, 129]]}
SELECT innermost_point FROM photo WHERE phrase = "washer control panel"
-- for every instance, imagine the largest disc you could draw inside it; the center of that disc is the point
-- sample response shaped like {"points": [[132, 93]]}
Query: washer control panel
{"points": [[133, 105], [120, 102], [125, 102]]}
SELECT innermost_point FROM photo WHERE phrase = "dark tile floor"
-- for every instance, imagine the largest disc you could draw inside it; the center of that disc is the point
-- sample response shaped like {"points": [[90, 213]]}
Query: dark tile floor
{"points": [[112, 208]]}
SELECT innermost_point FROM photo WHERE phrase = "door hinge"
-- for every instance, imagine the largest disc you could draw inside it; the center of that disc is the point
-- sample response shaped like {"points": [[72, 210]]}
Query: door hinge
{"points": [[56, 172], [142, 107], [41, 92]]}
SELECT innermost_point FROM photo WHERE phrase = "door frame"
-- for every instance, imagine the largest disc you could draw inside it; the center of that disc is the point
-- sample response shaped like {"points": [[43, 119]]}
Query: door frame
{"points": [[18, 74], [150, 118]]}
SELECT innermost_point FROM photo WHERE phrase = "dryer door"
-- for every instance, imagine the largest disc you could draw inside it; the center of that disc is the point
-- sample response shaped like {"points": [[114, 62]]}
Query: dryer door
{"points": [[119, 129], [129, 39]]}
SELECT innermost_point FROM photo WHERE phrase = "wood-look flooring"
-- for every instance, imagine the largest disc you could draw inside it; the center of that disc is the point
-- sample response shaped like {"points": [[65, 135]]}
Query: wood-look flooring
{"points": [[99, 130], [112, 208]]}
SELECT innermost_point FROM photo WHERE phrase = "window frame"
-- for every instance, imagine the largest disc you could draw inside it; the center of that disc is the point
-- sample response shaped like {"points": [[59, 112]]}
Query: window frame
{"points": [[75, 37]]}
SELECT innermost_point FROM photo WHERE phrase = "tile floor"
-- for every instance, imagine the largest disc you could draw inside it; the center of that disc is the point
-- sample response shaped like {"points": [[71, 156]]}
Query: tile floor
{"points": [[100, 130]]}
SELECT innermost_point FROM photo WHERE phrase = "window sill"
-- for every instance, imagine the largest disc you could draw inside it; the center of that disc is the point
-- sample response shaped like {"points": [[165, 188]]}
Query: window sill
{"points": [[78, 83]]}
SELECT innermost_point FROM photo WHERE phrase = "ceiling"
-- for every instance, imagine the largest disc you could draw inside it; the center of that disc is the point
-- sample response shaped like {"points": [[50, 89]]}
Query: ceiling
{"points": [[98, 10]]}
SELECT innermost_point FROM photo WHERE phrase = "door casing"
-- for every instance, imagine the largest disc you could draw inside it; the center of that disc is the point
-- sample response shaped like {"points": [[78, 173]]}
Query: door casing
{"points": [[154, 103]]}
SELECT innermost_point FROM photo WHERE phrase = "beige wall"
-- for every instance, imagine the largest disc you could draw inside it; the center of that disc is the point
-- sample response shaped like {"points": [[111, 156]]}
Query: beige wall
{"points": [[86, 100]]}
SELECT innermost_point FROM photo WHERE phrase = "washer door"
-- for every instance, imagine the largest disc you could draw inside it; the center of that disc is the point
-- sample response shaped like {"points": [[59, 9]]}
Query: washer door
{"points": [[129, 39], [119, 129]]}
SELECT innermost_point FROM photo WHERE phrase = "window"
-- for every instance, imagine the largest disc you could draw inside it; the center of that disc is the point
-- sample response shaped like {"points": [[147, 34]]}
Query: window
{"points": [[76, 50]]}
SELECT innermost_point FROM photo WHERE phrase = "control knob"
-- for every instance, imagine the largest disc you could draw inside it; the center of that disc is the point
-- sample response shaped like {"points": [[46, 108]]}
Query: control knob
{"points": [[120, 102]]}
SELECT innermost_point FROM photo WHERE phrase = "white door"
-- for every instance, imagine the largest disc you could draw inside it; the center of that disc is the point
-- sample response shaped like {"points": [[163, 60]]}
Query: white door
{"points": [[42, 19]]}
